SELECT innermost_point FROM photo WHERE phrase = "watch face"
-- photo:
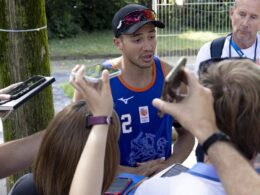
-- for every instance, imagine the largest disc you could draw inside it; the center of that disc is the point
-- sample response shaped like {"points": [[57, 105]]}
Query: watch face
{"points": [[109, 120]]}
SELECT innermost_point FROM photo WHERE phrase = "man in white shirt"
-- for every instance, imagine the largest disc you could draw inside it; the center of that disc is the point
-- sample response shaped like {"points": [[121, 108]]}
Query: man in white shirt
{"points": [[244, 41]]}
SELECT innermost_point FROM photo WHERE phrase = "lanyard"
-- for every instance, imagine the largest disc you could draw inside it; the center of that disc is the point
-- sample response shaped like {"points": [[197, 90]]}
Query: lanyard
{"points": [[238, 50], [207, 171]]}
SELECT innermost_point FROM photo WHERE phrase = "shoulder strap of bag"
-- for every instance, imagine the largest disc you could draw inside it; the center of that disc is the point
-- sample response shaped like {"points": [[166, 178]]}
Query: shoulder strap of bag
{"points": [[216, 47]]}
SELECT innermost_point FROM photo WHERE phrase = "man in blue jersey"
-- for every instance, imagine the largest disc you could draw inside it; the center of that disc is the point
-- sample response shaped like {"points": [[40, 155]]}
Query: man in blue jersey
{"points": [[146, 139]]}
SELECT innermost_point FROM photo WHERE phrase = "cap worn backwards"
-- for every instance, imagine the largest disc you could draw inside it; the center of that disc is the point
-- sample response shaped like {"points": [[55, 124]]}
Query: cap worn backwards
{"points": [[137, 15]]}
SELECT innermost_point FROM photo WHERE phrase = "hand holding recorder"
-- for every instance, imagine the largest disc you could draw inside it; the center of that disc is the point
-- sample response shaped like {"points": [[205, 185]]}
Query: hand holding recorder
{"points": [[4, 92], [17, 90]]}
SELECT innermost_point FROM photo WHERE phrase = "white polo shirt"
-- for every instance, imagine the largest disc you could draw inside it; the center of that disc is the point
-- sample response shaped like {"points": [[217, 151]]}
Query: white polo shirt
{"points": [[204, 52], [200, 183]]}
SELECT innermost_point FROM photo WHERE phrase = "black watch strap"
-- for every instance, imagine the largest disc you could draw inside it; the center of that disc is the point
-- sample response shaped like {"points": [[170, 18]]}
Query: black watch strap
{"points": [[214, 138], [98, 120]]}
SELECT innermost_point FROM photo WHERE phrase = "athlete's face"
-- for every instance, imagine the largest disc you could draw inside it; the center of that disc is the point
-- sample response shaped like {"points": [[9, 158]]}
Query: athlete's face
{"points": [[245, 19], [139, 47]]}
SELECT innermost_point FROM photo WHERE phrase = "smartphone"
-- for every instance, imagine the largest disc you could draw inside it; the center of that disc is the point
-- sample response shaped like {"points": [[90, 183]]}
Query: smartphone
{"points": [[176, 71], [26, 86], [93, 73], [176, 169], [173, 81], [118, 186]]}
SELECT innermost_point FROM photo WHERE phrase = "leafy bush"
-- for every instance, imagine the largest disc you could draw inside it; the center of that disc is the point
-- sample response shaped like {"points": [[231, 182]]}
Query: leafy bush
{"points": [[63, 18], [68, 17]]}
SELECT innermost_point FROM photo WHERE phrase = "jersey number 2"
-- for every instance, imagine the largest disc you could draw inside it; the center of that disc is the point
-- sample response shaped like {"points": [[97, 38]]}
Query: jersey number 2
{"points": [[126, 121]]}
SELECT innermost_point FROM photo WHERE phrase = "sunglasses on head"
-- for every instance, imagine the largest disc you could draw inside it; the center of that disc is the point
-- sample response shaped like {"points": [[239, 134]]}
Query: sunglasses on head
{"points": [[135, 17], [204, 65]]}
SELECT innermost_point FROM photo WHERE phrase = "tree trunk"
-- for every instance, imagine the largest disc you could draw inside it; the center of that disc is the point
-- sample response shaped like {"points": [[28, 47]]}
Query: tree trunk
{"points": [[24, 54]]}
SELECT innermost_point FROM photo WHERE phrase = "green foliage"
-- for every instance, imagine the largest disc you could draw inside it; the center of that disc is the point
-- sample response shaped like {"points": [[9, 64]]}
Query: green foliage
{"points": [[98, 14], [68, 89], [63, 17], [67, 18]]}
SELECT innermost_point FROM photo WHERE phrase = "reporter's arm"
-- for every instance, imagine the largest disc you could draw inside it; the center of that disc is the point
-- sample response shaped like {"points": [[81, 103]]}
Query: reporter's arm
{"points": [[91, 164], [196, 114], [237, 175], [19, 154], [99, 100], [4, 91]]}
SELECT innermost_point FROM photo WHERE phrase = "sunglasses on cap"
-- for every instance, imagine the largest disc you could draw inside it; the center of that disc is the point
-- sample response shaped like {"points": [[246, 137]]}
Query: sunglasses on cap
{"points": [[204, 65], [135, 17]]}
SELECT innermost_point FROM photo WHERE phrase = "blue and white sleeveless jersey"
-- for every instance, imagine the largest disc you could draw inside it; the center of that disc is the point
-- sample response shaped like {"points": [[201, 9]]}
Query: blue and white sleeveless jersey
{"points": [[144, 136]]}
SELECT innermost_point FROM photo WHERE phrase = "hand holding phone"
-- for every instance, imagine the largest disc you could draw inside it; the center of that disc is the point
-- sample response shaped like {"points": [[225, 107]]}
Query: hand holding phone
{"points": [[93, 73], [171, 87], [173, 80]]}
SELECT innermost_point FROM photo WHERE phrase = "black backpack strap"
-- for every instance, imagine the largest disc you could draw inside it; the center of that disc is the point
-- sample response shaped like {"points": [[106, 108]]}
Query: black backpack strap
{"points": [[216, 47]]}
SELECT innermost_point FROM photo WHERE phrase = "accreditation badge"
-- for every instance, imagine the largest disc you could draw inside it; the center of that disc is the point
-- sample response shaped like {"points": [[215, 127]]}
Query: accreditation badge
{"points": [[144, 114]]}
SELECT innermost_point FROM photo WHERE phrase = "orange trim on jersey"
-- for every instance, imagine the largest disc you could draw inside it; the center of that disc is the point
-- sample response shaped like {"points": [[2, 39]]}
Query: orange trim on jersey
{"points": [[113, 65], [140, 89], [163, 70]]}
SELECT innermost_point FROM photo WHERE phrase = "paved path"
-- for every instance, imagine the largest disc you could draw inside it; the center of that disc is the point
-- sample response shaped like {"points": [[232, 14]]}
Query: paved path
{"points": [[59, 98]]}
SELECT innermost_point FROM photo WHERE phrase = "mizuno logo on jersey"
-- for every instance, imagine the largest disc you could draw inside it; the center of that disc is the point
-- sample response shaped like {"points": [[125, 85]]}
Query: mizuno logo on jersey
{"points": [[125, 100]]}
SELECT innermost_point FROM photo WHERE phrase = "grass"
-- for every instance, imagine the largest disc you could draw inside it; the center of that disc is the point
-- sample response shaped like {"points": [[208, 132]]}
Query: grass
{"points": [[100, 43], [92, 44], [68, 89], [189, 40]]}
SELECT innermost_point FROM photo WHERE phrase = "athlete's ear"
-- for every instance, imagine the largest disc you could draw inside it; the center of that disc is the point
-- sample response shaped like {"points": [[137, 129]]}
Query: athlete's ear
{"points": [[118, 43]]}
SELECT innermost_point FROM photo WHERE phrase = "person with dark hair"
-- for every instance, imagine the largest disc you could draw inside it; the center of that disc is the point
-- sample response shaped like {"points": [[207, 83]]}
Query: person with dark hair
{"points": [[235, 87], [146, 139], [71, 136]]}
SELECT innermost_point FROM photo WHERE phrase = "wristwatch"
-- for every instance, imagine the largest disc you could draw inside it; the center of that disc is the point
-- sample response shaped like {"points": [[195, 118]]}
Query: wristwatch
{"points": [[98, 120], [220, 136]]}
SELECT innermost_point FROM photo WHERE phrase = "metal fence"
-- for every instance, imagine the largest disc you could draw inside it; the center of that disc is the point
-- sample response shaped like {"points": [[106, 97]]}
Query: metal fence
{"points": [[189, 26]]}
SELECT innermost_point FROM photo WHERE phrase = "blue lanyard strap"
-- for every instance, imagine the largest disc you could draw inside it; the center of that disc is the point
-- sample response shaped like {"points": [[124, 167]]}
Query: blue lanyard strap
{"points": [[205, 171], [239, 51]]}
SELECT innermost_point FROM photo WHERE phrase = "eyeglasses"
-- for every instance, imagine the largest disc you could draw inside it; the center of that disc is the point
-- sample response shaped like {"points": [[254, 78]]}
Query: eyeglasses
{"points": [[204, 65], [137, 16]]}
